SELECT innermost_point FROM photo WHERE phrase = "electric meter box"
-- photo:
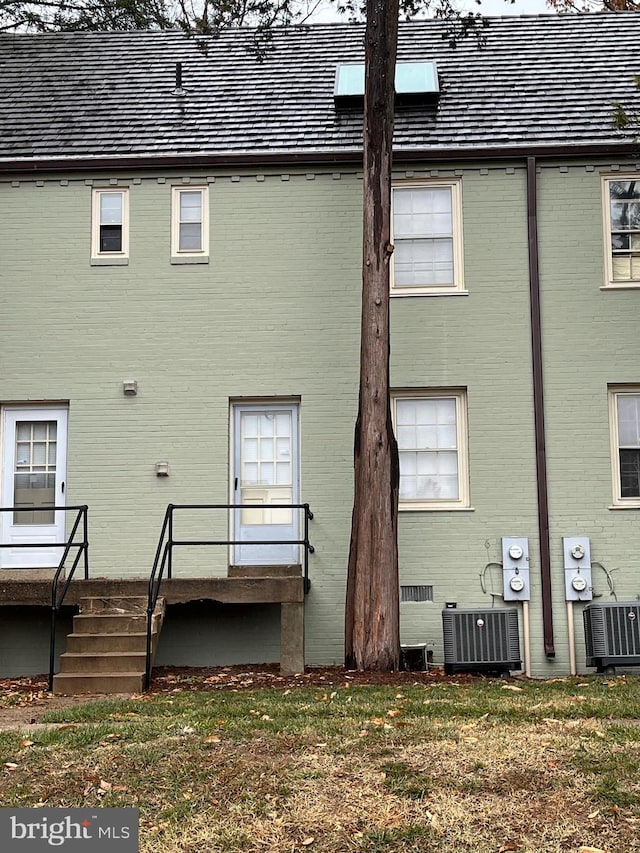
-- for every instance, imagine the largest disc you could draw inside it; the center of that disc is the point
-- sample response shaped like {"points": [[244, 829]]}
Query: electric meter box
{"points": [[515, 568], [577, 568]]}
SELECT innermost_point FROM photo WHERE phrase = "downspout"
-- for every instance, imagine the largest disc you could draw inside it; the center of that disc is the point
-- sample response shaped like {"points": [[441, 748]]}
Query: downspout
{"points": [[538, 409]]}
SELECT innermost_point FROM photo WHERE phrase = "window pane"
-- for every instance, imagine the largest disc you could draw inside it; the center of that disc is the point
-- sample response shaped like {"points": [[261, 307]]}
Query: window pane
{"points": [[624, 190], [407, 411], [426, 262], [630, 473], [446, 411], [628, 420], [266, 450], [427, 441], [250, 472], [110, 238], [283, 424], [283, 473], [424, 211], [621, 268], [427, 437], [266, 425], [447, 436], [250, 425], [23, 453], [190, 237], [110, 208], [191, 207], [250, 450]]}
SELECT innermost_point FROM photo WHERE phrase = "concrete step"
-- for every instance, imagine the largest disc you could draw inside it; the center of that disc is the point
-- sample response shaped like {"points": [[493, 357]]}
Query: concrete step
{"points": [[99, 643], [109, 624], [106, 653], [98, 682], [103, 662], [120, 605]]}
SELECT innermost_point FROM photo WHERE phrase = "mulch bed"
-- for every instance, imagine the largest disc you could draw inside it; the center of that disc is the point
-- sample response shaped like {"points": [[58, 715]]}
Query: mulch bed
{"points": [[251, 677]]}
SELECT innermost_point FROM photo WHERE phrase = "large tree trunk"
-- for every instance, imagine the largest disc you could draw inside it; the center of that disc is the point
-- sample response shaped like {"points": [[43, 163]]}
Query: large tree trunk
{"points": [[372, 629]]}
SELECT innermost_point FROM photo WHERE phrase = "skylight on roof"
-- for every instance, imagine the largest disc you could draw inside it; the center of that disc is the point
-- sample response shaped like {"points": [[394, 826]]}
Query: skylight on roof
{"points": [[412, 78]]}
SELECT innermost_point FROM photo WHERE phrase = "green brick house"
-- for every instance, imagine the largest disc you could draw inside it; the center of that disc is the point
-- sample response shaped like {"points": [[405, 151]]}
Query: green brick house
{"points": [[179, 324]]}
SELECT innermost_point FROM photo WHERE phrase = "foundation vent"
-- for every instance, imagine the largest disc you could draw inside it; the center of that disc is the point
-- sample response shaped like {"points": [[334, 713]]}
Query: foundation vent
{"points": [[416, 593]]}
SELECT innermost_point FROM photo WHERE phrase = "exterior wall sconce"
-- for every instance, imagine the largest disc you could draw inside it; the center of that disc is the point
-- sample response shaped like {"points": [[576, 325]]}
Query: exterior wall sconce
{"points": [[129, 387], [162, 469]]}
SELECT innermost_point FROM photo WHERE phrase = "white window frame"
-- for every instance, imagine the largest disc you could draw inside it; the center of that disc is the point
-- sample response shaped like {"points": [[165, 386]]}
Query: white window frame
{"points": [[610, 282], [615, 392], [179, 255], [459, 395], [96, 254], [458, 285]]}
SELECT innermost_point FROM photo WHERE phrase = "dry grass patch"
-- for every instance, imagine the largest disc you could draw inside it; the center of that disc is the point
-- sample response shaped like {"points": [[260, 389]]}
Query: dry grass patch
{"points": [[473, 768]]}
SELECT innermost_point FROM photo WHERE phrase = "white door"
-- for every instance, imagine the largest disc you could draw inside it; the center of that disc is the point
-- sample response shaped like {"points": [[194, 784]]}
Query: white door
{"points": [[265, 473], [34, 457]]}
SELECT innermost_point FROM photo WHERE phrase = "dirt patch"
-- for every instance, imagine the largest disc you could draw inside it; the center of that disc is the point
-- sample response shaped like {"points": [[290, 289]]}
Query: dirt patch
{"points": [[25, 701]]}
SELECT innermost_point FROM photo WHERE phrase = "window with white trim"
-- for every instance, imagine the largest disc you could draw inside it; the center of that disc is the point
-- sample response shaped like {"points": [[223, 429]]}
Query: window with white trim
{"points": [[427, 238], [622, 230], [110, 224], [190, 223], [431, 430], [624, 412]]}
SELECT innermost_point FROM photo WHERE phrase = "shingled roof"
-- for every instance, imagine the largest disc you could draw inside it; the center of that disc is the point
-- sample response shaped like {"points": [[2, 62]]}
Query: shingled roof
{"points": [[538, 84]]}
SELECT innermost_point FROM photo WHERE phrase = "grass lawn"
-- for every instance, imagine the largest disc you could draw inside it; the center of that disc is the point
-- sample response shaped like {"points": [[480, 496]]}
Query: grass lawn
{"points": [[483, 766]]}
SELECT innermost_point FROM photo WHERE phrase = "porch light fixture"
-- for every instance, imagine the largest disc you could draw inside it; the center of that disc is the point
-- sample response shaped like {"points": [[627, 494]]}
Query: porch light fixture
{"points": [[130, 387], [162, 469]]}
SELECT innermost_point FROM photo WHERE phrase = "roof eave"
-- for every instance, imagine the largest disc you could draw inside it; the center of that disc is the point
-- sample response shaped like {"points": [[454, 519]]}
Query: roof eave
{"points": [[309, 158]]}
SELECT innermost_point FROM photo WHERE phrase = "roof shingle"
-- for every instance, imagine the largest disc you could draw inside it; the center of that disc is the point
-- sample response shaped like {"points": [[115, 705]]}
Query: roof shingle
{"points": [[538, 81]]}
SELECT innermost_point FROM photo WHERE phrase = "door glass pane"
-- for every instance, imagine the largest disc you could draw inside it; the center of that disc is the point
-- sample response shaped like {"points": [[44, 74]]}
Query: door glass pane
{"points": [[34, 476], [266, 469]]}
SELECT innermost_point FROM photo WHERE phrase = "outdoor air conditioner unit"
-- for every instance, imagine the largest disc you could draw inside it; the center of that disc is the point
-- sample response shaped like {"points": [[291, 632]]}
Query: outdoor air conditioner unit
{"points": [[484, 641], [612, 634]]}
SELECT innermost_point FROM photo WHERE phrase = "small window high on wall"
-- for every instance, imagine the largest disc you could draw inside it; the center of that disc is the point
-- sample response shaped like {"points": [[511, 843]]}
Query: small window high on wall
{"points": [[621, 197], [110, 225], [190, 225]]}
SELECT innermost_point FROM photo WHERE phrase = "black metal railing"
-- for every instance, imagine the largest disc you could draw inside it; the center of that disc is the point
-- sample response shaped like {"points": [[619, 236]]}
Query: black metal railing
{"points": [[82, 549], [166, 543]]}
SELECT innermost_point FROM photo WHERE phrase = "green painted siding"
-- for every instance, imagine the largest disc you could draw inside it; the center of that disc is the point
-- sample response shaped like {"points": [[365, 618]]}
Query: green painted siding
{"points": [[275, 314]]}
